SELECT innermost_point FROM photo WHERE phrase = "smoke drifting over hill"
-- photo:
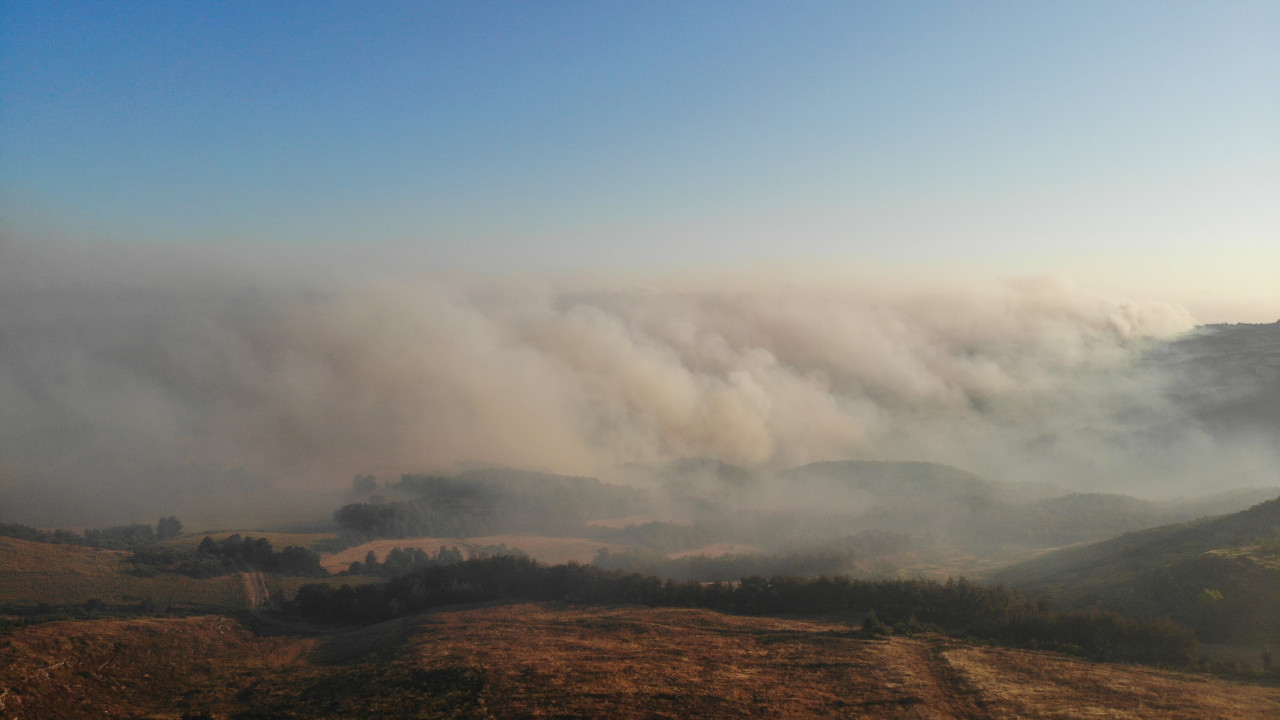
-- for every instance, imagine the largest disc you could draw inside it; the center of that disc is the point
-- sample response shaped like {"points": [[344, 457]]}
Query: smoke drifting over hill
{"points": [[131, 381]]}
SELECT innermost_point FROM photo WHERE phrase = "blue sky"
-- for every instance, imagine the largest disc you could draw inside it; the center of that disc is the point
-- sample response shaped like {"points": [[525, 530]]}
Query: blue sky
{"points": [[1134, 144]]}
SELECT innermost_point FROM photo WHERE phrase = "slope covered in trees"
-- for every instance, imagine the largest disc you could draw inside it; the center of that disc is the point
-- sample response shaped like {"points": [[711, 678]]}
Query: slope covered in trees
{"points": [[1219, 575]]}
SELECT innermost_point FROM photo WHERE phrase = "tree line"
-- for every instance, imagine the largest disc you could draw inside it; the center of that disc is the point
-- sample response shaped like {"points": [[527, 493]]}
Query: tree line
{"points": [[957, 606], [401, 561], [118, 537], [212, 558]]}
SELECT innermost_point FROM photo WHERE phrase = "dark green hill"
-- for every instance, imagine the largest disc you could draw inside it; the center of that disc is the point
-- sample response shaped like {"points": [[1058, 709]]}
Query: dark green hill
{"points": [[1220, 575]]}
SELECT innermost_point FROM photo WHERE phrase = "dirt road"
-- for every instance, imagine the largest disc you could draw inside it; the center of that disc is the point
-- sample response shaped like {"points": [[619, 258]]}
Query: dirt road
{"points": [[255, 589]]}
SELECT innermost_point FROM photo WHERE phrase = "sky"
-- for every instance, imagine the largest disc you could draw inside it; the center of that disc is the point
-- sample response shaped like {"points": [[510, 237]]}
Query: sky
{"points": [[1133, 146], [248, 245]]}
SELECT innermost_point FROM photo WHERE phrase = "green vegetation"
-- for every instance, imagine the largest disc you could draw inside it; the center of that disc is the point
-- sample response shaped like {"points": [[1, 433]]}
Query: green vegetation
{"points": [[401, 561], [1217, 575]]}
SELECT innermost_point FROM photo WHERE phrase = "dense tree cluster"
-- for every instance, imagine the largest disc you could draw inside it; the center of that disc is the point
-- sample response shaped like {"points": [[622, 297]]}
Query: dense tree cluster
{"points": [[401, 561], [168, 528], [959, 606], [222, 557]]}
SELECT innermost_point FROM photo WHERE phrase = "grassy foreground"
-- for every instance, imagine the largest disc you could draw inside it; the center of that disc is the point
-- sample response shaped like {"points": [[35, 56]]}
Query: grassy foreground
{"points": [[523, 661]]}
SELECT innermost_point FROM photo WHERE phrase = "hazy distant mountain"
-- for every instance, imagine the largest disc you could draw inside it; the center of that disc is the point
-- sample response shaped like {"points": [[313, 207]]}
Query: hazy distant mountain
{"points": [[1226, 378]]}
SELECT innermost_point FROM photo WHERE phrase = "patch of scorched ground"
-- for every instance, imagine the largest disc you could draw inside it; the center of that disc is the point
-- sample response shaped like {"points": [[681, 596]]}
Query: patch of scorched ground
{"points": [[1026, 684], [654, 663], [674, 663], [543, 661], [127, 668]]}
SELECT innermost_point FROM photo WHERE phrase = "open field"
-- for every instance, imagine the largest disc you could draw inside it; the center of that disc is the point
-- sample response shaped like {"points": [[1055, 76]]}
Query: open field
{"points": [[550, 550], [527, 661]]}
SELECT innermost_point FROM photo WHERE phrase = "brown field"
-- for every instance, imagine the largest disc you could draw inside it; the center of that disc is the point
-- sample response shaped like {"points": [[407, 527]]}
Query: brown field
{"points": [[534, 661], [551, 550]]}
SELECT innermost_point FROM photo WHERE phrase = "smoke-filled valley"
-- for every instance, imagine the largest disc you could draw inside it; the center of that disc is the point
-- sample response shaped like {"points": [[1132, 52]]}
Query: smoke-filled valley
{"points": [[138, 384], [637, 360]]}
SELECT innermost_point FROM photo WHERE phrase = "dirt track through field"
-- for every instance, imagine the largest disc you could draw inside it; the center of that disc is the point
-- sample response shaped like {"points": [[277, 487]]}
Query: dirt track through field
{"points": [[255, 590]]}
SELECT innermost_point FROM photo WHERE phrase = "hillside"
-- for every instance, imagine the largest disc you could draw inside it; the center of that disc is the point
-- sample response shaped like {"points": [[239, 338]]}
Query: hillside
{"points": [[520, 661], [1220, 575], [1228, 377], [39, 580], [34, 573], [988, 516]]}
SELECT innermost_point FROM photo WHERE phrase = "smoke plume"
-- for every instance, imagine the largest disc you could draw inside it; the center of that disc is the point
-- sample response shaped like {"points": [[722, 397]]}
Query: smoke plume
{"points": [[133, 379]]}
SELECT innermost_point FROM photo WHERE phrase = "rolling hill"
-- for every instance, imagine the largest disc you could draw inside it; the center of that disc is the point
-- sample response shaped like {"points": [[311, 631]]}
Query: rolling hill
{"points": [[1219, 575]]}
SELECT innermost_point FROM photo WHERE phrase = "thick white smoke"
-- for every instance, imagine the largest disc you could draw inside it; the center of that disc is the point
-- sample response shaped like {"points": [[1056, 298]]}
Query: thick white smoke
{"points": [[113, 368]]}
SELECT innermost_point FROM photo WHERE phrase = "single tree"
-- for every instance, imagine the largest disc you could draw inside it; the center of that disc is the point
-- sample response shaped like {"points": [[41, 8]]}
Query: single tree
{"points": [[168, 528]]}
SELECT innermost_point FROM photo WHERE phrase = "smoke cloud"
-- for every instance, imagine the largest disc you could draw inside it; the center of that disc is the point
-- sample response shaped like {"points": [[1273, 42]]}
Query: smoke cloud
{"points": [[135, 380]]}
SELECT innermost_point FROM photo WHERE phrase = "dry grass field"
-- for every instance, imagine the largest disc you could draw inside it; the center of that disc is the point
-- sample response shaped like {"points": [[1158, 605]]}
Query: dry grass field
{"points": [[535, 661]]}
